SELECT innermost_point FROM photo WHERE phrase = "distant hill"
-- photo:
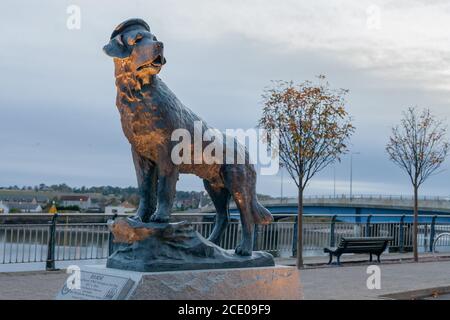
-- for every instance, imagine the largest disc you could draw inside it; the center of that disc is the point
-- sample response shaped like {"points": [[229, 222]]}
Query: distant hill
{"points": [[108, 195]]}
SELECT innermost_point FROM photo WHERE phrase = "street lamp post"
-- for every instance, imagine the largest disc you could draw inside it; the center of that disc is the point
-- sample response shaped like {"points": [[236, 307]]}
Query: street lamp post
{"points": [[334, 181], [351, 173]]}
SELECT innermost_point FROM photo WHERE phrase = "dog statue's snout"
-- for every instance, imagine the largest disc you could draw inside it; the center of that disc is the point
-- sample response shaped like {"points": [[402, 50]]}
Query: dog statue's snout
{"points": [[155, 47], [148, 54]]}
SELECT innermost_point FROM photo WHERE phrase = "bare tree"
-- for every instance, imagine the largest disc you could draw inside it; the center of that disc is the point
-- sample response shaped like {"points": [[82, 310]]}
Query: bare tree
{"points": [[419, 146], [313, 128]]}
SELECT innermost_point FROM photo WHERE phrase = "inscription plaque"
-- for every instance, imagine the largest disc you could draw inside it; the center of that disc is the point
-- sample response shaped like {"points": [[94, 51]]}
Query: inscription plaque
{"points": [[97, 286]]}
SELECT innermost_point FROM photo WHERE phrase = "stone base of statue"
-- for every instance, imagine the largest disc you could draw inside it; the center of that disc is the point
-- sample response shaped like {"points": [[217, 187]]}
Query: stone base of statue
{"points": [[267, 283], [173, 261], [152, 247]]}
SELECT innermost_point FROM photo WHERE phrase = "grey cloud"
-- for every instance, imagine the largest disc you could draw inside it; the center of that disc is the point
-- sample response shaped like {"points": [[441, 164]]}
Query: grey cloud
{"points": [[58, 121]]}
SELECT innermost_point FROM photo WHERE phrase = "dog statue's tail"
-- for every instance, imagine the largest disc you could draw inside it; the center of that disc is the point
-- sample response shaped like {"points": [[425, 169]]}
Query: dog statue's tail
{"points": [[260, 214]]}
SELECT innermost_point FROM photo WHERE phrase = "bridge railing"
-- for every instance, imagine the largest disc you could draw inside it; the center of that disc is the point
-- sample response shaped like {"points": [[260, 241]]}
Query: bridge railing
{"points": [[28, 243], [370, 197], [377, 197]]}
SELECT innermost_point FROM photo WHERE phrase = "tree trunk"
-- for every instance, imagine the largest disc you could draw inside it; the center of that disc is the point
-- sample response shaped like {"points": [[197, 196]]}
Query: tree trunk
{"points": [[415, 225], [300, 229]]}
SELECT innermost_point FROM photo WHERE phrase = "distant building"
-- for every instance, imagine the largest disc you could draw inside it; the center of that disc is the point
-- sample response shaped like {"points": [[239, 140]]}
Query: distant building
{"points": [[3, 208], [24, 198], [183, 204], [81, 201], [124, 207], [204, 201], [23, 207]]}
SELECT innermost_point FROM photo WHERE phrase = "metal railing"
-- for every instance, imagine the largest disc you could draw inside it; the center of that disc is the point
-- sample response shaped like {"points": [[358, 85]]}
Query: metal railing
{"points": [[441, 241], [27, 243]]}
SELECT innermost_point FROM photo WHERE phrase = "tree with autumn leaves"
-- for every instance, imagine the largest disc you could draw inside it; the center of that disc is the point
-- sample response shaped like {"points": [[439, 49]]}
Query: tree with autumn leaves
{"points": [[419, 145], [313, 127]]}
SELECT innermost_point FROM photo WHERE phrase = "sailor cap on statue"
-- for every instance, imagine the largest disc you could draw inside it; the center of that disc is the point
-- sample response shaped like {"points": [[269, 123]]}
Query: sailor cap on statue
{"points": [[130, 24]]}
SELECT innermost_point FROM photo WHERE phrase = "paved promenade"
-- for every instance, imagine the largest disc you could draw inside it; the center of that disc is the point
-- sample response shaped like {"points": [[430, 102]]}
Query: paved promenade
{"points": [[319, 281], [30, 285], [350, 259], [350, 282]]}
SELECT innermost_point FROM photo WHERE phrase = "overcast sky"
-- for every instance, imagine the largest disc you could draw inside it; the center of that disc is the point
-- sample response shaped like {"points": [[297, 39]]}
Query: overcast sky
{"points": [[59, 123]]}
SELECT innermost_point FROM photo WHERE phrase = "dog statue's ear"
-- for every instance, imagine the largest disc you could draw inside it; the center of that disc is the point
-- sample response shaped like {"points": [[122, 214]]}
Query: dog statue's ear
{"points": [[116, 48]]}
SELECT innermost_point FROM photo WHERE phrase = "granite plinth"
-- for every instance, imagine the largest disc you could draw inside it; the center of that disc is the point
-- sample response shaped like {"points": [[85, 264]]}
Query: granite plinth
{"points": [[266, 283]]}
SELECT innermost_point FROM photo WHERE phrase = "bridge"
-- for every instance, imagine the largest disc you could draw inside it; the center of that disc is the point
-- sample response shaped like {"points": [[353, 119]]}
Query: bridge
{"points": [[377, 206]]}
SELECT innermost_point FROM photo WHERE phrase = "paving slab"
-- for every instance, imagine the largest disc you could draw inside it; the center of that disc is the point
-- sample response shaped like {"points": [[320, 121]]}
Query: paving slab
{"points": [[31, 285]]}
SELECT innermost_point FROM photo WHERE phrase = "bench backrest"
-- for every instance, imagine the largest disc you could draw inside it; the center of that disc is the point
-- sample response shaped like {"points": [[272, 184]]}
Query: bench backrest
{"points": [[364, 244]]}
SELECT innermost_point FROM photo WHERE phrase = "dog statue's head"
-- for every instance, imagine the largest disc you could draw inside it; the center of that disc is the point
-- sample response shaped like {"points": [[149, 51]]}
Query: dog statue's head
{"points": [[135, 49]]}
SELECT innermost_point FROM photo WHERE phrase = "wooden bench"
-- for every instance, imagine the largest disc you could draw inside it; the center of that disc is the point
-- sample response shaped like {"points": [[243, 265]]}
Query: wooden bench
{"points": [[370, 245]]}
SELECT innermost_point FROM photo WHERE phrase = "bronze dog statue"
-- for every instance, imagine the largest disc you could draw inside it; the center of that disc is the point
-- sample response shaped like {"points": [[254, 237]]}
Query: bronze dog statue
{"points": [[150, 112]]}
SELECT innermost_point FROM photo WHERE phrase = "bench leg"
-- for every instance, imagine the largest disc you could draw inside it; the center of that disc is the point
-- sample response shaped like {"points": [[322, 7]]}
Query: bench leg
{"points": [[331, 259], [370, 259], [378, 258]]}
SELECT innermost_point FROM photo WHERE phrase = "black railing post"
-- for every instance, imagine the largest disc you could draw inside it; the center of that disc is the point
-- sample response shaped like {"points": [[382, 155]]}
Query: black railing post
{"points": [[110, 238], [432, 232], [50, 263], [358, 215], [294, 240], [402, 234], [332, 234], [368, 225]]}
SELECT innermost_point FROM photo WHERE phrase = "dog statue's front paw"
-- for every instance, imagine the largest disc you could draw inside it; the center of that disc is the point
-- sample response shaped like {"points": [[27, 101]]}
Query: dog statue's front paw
{"points": [[159, 218], [244, 249]]}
